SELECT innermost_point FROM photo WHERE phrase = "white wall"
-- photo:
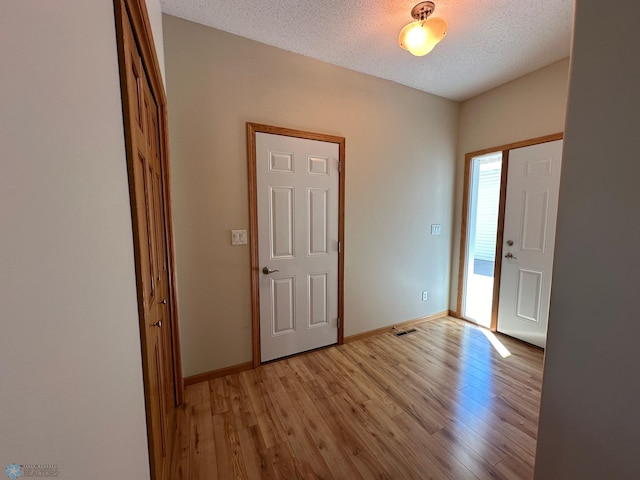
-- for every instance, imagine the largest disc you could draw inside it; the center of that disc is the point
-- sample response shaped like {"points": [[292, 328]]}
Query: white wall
{"points": [[71, 384], [400, 156], [590, 414], [528, 107]]}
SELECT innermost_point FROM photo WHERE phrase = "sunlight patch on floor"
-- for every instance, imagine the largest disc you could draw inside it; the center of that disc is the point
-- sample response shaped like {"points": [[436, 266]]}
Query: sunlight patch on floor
{"points": [[497, 344]]}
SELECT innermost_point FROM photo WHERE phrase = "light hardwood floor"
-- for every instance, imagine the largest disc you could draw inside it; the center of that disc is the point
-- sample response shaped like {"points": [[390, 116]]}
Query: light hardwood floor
{"points": [[438, 403]]}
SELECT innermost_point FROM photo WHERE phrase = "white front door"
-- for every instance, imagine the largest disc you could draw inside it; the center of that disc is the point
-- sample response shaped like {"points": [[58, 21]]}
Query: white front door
{"points": [[533, 180], [297, 204]]}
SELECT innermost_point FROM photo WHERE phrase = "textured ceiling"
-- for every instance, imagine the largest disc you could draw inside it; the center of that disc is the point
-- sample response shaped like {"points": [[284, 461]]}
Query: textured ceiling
{"points": [[489, 42]]}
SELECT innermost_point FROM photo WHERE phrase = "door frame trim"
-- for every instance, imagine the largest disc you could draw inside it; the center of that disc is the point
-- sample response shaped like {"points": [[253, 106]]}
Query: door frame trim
{"points": [[252, 129], [501, 211]]}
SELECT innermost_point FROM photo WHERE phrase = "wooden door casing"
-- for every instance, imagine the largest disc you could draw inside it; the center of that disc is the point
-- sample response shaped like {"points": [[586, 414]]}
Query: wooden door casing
{"points": [[252, 130], [145, 166], [144, 114]]}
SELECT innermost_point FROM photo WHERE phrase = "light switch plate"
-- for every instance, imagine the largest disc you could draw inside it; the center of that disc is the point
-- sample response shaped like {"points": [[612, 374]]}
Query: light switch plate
{"points": [[436, 229], [238, 237]]}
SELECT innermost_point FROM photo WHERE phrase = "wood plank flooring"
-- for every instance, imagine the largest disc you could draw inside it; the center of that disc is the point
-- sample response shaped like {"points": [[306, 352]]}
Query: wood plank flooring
{"points": [[439, 403]]}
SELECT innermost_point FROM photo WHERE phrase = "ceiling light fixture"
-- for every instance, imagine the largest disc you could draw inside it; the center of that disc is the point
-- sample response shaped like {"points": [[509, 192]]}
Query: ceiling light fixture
{"points": [[421, 36]]}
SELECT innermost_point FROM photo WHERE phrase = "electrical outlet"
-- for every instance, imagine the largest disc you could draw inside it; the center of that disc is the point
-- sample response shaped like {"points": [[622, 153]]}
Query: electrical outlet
{"points": [[425, 295]]}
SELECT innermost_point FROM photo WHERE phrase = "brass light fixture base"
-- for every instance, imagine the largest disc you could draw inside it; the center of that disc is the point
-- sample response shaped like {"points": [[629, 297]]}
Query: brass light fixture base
{"points": [[422, 10]]}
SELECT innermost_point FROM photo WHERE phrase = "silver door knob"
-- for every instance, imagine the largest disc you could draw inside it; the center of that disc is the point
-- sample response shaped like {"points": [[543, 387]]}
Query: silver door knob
{"points": [[267, 271], [164, 302], [510, 256], [157, 324]]}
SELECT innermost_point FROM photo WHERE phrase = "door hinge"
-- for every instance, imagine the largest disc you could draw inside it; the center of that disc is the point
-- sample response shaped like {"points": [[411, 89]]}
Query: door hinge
{"points": [[338, 322], [339, 247], [339, 166]]}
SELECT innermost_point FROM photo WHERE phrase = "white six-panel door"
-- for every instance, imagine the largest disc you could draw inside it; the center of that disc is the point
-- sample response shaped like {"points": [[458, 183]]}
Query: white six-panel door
{"points": [[297, 205], [531, 207]]}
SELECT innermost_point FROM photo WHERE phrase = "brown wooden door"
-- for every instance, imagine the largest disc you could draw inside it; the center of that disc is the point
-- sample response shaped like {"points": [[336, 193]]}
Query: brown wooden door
{"points": [[146, 188]]}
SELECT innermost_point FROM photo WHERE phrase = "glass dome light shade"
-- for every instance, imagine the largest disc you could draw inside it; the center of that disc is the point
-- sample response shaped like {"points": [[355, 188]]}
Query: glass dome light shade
{"points": [[420, 37]]}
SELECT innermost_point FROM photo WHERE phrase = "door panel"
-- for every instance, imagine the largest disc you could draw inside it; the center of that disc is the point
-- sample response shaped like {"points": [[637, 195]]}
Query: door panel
{"points": [[297, 209], [318, 299], [529, 295], [535, 219], [317, 219], [531, 205], [281, 224], [283, 302]]}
